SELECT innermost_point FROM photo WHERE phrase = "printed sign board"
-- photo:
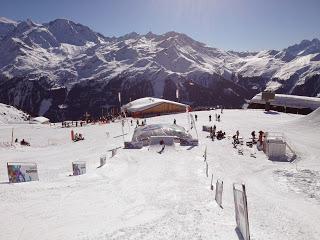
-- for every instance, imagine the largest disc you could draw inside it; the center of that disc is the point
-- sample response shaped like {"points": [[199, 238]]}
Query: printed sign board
{"points": [[103, 160], [133, 145], [22, 172], [219, 190], [241, 210], [206, 128], [189, 142], [78, 168], [113, 152]]}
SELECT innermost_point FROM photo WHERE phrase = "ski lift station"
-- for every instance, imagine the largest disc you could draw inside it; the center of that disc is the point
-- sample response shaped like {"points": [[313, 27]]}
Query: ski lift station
{"points": [[40, 120], [148, 106], [286, 103]]}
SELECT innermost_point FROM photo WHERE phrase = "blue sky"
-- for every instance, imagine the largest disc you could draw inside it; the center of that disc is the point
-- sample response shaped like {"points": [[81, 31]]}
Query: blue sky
{"points": [[227, 24]]}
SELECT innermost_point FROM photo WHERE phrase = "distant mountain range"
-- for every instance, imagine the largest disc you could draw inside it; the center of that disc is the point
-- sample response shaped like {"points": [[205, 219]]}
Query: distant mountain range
{"points": [[61, 62]]}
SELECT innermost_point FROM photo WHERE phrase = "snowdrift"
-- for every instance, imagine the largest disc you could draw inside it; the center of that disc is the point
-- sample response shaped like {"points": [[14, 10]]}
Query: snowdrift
{"points": [[9, 114], [312, 119]]}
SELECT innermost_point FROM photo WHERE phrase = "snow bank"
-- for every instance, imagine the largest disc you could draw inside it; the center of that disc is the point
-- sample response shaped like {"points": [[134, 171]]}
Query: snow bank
{"points": [[312, 119], [9, 114]]}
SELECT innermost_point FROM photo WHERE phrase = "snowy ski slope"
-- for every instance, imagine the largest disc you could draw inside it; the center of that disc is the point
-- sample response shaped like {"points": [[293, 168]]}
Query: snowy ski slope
{"points": [[140, 194]]}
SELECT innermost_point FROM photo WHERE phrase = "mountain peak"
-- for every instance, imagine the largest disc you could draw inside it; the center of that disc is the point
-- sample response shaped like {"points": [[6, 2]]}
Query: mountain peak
{"points": [[7, 21], [305, 47], [67, 31], [6, 26], [132, 35], [151, 35], [61, 21]]}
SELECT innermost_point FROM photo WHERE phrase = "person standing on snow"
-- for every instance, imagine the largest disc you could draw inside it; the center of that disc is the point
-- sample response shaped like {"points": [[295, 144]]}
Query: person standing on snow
{"points": [[260, 136], [253, 134], [210, 118], [196, 117], [212, 134], [174, 121]]}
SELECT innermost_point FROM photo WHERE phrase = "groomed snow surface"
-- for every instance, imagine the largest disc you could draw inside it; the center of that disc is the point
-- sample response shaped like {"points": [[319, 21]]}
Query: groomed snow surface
{"points": [[140, 194]]}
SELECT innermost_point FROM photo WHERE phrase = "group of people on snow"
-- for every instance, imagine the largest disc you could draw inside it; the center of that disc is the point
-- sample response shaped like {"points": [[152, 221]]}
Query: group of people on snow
{"points": [[76, 137], [22, 142], [218, 117], [67, 124], [143, 122]]}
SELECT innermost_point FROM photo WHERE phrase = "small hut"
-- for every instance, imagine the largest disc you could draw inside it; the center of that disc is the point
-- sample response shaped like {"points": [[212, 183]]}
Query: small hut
{"points": [[40, 120]]}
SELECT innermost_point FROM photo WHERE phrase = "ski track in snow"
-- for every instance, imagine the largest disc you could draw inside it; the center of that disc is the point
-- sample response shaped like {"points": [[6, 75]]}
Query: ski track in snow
{"points": [[140, 194]]}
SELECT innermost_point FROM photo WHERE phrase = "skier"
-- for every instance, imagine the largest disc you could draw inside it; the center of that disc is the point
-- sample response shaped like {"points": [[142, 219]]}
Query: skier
{"points": [[174, 121], [237, 134], [235, 141], [131, 122], [81, 137], [76, 138], [212, 133], [163, 147], [219, 118], [253, 134], [24, 143], [221, 109], [260, 136], [196, 117], [210, 118]]}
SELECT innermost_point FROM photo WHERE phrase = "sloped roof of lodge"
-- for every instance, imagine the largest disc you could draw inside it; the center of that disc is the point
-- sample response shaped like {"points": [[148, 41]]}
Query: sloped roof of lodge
{"points": [[142, 104]]}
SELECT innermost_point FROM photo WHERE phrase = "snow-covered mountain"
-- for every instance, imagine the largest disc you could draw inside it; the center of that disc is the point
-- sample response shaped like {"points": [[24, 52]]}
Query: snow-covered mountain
{"points": [[45, 65]]}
